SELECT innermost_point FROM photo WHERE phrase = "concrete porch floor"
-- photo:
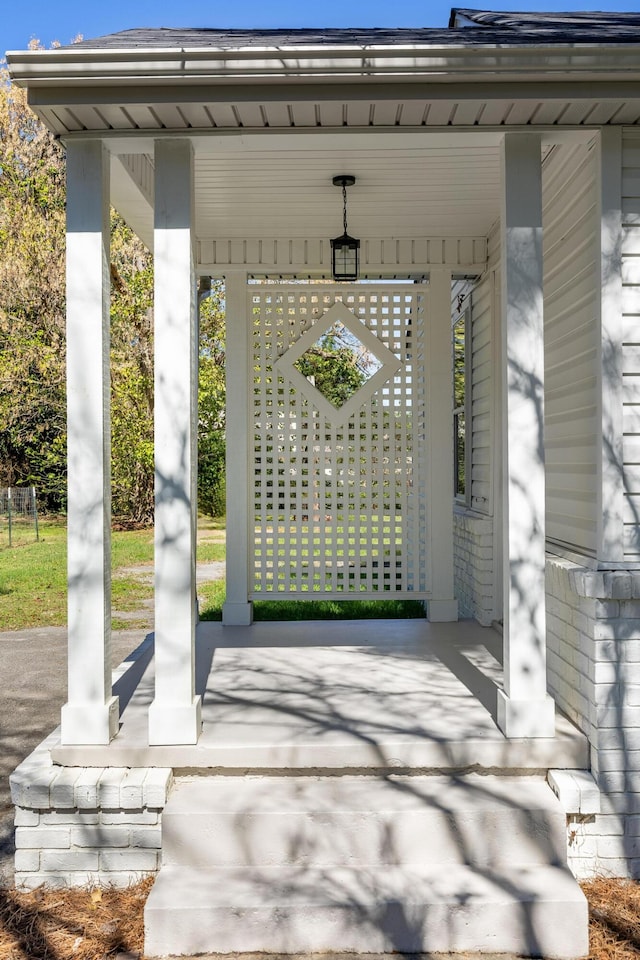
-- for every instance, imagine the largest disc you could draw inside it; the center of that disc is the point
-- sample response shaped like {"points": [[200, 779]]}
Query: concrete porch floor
{"points": [[335, 695]]}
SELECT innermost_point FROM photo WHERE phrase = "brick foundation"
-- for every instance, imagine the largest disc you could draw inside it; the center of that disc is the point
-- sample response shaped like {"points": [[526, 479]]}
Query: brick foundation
{"points": [[473, 565], [86, 825], [593, 648]]}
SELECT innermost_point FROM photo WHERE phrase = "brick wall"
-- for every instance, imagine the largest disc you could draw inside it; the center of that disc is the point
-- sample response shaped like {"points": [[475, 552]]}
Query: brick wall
{"points": [[593, 648], [473, 565], [86, 825]]}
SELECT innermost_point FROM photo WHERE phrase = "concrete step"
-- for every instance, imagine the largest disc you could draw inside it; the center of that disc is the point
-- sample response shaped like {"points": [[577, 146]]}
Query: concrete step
{"points": [[487, 821], [535, 911]]}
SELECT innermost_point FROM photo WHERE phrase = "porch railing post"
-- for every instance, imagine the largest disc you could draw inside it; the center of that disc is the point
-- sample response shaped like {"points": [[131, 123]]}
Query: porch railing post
{"points": [[237, 610], [443, 606], [175, 714], [524, 708], [90, 715]]}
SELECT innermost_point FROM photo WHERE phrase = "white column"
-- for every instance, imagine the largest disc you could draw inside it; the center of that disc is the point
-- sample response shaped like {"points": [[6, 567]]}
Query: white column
{"points": [[237, 610], [174, 715], [443, 606], [90, 715], [524, 708], [610, 510]]}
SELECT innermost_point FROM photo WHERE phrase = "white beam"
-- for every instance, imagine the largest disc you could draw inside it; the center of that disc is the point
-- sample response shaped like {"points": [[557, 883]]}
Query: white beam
{"points": [[610, 510], [524, 708], [174, 715], [443, 606], [90, 715], [237, 610]]}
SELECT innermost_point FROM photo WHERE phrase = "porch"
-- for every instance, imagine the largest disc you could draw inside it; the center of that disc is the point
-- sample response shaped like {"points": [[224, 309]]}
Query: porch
{"points": [[347, 696]]}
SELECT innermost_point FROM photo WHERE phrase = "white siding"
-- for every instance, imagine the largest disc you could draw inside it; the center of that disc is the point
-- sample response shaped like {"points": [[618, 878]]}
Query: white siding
{"points": [[570, 222], [631, 342]]}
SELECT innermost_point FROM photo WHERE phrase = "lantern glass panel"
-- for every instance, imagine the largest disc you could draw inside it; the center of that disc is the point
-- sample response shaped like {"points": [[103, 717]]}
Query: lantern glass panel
{"points": [[345, 258]]}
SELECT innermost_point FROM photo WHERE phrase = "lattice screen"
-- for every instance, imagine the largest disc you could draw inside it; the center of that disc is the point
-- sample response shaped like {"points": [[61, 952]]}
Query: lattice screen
{"points": [[339, 504]]}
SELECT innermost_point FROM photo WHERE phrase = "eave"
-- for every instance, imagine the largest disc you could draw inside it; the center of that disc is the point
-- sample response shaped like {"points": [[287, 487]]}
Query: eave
{"points": [[437, 63]]}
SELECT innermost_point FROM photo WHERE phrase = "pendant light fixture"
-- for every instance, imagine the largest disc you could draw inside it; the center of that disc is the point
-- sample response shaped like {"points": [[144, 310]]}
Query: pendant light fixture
{"points": [[345, 250]]}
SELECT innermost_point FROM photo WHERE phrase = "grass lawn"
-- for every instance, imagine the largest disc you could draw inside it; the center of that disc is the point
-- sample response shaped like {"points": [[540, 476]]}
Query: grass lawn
{"points": [[33, 574], [212, 597], [33, 583]]}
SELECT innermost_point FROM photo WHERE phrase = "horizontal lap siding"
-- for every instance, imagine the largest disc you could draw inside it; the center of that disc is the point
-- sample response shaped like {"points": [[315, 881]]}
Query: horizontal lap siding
{"points": [[631, 338], [570, 222]]}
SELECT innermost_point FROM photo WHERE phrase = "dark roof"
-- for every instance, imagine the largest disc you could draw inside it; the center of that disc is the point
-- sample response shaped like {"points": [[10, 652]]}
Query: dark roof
{"points": [[484, 27]]}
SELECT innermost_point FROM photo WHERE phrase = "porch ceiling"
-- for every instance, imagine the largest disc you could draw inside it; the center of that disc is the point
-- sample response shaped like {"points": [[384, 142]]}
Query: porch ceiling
{"points": [[279, 185]]}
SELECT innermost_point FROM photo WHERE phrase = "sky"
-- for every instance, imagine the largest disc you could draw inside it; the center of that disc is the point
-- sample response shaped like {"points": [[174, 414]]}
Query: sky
{"points": [[62, 20]]}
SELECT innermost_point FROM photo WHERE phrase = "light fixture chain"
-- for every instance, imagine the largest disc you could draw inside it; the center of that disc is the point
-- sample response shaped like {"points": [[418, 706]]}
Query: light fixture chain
{"points": [[344, 206]]}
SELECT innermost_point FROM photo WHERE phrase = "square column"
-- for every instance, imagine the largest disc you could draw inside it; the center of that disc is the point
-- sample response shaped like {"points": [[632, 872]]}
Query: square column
{"points": [[90, 715], [237, 609], [174, 715], [524, 708], [611, 486], [443, 606]]}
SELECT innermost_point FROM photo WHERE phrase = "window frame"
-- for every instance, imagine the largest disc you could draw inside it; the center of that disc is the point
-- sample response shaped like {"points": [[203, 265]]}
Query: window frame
{"points": [[462, 314]]}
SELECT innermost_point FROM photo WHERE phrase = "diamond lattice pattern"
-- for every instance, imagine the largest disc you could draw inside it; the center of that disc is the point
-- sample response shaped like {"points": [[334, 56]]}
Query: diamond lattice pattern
{"points": [[338, 364]]}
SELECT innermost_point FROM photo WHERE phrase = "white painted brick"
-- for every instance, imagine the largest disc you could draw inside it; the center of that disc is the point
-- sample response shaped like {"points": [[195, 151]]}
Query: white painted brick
{"points": [[618, 759], [99, 836], [616, 630], [630, 608], [109, 788], [26, 818], [156, 787], [114, 878], [56, 838], [69, 860], [86, 788], [632, 694], [62, 789], [63, 879], [610, 826], [26, 861], [618, 585], [611, 738], [611, 848], [55, 818], [131, 789], [142, 861], [130, 817], [607, 609], [614, 716], [32, 789], [583, 868], [149, 837]]}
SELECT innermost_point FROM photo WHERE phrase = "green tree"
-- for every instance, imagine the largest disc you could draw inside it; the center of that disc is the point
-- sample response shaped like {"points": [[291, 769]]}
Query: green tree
{"points": [[336, 364], [211, 404], [132, 468], [32, 331], [32, 335]]}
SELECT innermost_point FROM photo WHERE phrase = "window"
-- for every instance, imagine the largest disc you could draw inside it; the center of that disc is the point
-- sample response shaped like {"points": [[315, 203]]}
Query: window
{"points": [[461, 404]]}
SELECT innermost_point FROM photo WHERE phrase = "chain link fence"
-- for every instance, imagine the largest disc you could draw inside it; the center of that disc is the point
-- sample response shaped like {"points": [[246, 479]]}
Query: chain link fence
{"points": [[18, 515]]}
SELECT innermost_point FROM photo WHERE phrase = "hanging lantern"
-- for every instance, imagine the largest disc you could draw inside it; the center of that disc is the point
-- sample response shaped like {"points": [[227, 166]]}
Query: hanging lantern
{"points": [[345, 250]]}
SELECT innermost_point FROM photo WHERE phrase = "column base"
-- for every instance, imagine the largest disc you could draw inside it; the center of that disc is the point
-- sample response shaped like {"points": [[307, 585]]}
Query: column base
{"points": [[174, 723], [84, 724], [522, 719], [237, 614], [442, 611]]}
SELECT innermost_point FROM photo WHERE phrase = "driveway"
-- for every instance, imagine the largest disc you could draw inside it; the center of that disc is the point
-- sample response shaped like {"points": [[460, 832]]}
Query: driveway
{"points": [[34, 677]]}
